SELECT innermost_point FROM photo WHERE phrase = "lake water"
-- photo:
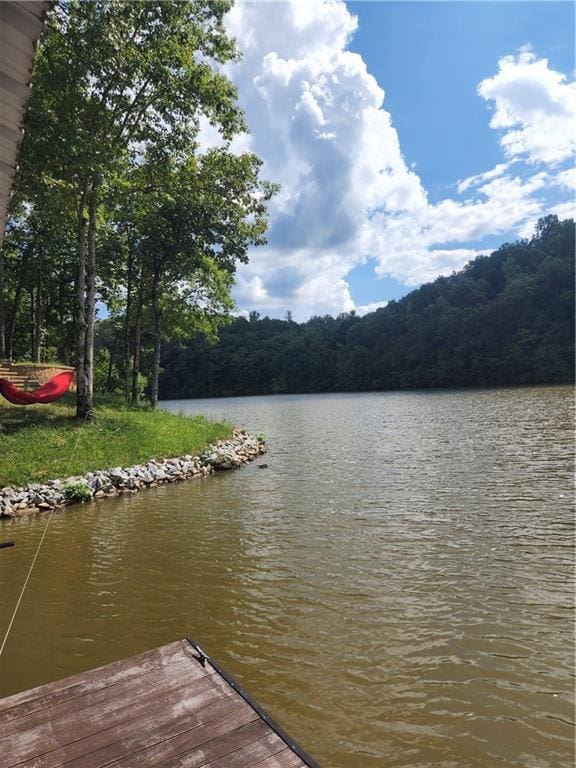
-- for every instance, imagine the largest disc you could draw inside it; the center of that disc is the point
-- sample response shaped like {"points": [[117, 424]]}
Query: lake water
{"points": [[396, 587]]}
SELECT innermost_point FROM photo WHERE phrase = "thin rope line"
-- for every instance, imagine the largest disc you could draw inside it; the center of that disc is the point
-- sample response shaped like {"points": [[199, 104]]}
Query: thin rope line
{"points": [[37, 551], [26, 582]]}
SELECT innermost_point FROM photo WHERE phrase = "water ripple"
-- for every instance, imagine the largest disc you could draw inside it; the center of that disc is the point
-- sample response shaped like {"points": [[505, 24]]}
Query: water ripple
{"points": [[397, 586]]}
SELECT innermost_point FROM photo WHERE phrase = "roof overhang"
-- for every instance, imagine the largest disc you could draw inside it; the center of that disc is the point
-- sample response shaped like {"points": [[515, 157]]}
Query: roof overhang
{"points": [[21, 23]]}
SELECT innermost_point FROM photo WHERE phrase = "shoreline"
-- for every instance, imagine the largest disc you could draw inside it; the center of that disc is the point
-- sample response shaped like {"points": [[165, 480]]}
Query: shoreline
{"points": [[34, 498], [393, 391]]}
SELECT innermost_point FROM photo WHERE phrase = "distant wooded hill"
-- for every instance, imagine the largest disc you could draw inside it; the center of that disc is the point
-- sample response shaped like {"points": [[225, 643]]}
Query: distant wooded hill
{"points": [[507, 318]]}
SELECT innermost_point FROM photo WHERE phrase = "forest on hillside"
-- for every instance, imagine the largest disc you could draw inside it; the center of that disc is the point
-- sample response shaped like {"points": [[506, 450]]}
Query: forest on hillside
{"points": [[506, 318]]}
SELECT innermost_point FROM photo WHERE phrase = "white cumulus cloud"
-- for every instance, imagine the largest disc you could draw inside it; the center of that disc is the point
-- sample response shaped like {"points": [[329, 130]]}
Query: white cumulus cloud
{"points": [[474, 181], [318, 120], [365, 309], [534, 109]]}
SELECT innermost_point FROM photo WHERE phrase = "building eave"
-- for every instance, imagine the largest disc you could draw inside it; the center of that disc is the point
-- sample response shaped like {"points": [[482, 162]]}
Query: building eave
{"points": [[21, 24]]}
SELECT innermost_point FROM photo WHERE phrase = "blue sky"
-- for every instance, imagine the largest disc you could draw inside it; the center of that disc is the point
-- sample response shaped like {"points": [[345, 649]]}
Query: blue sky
{"points": [[430, 56], [407, 136]]}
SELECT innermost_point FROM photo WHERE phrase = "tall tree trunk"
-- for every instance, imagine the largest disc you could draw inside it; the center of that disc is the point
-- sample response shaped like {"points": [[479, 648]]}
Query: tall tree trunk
{"points": [[63, 353], [82, 400], [135, 395], [157, 323], [128, 321], [31, 296], [37, 314], [85, 403], [2, 309], [108, 386], [14, 317], [17, 298]]}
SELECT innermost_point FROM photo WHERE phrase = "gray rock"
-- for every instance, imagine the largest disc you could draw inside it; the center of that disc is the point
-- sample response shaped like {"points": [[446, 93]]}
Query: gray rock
{"points": [[235, 452]]}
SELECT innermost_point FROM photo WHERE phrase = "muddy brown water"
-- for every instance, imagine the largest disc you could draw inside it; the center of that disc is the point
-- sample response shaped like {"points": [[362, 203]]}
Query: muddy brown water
{"points": [[396, 587]]}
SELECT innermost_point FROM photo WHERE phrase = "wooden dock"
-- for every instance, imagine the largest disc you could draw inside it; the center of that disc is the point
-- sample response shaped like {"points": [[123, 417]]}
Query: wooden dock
{"points": [[173, 707]]}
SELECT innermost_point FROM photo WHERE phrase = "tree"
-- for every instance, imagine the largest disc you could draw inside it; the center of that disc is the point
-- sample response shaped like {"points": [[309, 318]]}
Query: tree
{"points": [[39, 257], [202, 215], [110, 78]]}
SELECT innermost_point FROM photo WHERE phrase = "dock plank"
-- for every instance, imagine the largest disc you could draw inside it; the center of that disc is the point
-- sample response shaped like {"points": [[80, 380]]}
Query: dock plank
{"points": [[140, 732], [172, 707], [144, 730], [104, 701], [94, 679], [245, 755], [284, 759], [219, 737], [75, 724], [221, 752]]}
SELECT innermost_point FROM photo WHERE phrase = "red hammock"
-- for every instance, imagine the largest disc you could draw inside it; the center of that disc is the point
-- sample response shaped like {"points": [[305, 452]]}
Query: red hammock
{"points": [[47, 393]]}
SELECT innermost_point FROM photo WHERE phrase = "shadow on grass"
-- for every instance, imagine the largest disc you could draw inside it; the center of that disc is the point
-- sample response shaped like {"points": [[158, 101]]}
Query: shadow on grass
{"points": [[61, 414], [14, 418], [11, 423]]}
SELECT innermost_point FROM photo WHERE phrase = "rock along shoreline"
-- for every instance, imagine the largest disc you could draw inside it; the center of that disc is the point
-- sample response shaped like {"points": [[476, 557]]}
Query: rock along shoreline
{"points": [[240, 449]]}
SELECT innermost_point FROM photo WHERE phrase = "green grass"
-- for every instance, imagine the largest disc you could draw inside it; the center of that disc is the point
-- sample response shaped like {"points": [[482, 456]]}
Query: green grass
{"points": [[44, 442]]}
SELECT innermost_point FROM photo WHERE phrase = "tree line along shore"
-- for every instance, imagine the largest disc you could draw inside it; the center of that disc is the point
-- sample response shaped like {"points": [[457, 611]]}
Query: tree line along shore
{"points": [[505, 319]]}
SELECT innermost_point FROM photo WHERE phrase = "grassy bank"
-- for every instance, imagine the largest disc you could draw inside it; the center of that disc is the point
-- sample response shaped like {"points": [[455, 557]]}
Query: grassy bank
{"points": [[44, 442]]}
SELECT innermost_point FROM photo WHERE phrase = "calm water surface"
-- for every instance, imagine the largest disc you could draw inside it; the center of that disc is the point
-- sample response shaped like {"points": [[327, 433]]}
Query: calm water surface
{"points": [[396, 587]]}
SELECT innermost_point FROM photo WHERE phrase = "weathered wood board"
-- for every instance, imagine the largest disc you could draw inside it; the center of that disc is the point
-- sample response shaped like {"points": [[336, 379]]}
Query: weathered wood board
{"points": [[172, 707]]}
